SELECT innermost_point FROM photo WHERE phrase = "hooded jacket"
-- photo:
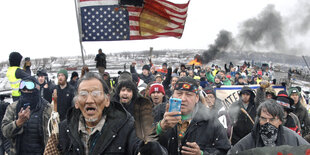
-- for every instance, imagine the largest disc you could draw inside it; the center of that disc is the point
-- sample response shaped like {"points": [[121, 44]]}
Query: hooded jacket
{"points": [[135, 95], [302, 114], [242, 124], [253, 140]]}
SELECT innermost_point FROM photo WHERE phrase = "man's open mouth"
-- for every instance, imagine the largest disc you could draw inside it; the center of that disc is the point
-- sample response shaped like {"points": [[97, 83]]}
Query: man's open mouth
{"points": [[90, 110]]}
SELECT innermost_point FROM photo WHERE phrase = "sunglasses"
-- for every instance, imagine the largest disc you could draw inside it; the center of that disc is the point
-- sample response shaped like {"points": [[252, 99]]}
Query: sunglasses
{"points": [[26, 85]]}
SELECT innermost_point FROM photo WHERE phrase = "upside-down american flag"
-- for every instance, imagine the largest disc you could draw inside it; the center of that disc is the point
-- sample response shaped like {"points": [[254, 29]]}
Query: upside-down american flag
{"points": [[105, 20]]}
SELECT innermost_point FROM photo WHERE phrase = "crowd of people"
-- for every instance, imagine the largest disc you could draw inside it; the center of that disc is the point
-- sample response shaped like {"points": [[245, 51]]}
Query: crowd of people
{"points": [[98, 114]]}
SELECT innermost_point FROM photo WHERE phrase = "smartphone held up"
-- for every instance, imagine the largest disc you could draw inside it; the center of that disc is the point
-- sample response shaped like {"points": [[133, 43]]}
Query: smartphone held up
{"points": [[175, 105]]}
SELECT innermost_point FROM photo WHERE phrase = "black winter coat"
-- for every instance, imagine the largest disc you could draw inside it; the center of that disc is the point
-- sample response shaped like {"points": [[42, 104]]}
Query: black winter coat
{"points": [[64, 100], [117, 136], [3, 106], [204, 129], [47, 93], [147, 79], [242, 124], [302, 114], [101, 60], [285, 137], [159, 111]]}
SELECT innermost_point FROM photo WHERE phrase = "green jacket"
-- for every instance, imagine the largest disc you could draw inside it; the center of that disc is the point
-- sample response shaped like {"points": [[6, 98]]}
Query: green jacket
{"points": [[11, 131], [210, 78]]}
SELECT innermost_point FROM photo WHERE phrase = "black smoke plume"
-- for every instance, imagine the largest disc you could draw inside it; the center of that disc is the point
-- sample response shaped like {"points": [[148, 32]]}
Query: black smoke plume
{"points": [[300, 20], [265, 30], [222, 42]]}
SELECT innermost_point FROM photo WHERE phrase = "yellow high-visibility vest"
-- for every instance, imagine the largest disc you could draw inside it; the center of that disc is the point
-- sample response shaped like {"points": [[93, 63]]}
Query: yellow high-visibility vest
{"points": [[214, 72], [112, 82], [259, 80], [14, 82]]}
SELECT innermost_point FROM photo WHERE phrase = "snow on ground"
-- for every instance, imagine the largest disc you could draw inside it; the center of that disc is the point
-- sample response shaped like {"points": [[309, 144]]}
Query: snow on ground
{"points": [[304, 85]]}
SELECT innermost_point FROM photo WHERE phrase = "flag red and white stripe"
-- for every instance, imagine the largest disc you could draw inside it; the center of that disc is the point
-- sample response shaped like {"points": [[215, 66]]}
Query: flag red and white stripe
{"points": [[162, 19]]}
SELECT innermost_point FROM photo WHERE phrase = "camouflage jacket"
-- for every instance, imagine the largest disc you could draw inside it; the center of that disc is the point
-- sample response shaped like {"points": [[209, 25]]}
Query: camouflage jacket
{"points": [[11, 131]]}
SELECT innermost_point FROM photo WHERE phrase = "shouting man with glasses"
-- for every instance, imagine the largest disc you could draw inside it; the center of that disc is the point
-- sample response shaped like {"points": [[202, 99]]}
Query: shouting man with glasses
{"points": [[96, 125], [25, 121], [268, 130]]}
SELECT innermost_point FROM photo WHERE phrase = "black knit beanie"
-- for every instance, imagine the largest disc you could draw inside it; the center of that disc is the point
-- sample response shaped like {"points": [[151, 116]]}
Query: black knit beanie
{"points": [[15, 59]]}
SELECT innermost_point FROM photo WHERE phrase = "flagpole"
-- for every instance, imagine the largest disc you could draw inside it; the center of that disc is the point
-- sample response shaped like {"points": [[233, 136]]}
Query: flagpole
{"points": [[306, 62], [77, 10]]}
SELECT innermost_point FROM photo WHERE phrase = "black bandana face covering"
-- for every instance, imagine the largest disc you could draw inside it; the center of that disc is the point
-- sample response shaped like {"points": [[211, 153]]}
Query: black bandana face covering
{"points": [[31, 98], [268, 133]]}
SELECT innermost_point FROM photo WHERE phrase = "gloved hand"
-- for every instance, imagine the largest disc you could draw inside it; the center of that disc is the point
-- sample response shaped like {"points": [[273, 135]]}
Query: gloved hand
{"points": [[264, 84]]}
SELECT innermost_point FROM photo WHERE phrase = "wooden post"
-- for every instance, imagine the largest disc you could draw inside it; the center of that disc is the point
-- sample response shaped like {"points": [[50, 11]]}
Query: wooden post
{"points": [[151, 52]]}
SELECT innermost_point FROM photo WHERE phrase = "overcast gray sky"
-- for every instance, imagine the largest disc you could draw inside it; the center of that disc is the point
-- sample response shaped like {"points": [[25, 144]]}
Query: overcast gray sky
{"points": [[48, 28]]}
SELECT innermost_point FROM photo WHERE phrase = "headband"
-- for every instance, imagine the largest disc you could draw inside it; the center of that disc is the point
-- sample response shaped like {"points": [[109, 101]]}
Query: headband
{"points": [[187, 87]]}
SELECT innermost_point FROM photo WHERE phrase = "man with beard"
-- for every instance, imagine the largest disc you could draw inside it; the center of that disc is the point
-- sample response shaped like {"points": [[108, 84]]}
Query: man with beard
{"points": [[192, 130], [126, 93], [46, 87], [63, 94], [268, 130], [96, 125], [25, 121]]}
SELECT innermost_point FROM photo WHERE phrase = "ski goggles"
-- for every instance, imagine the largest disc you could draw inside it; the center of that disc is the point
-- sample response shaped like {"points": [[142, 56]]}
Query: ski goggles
{"points": [[26, 85]]}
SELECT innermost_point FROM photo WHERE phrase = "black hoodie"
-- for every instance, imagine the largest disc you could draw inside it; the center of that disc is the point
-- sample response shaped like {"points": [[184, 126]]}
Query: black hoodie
{"points": [[242, 124], [253, 140]]}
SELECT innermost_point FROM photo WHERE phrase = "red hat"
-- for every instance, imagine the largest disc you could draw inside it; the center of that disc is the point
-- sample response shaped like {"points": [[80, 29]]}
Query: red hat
{"points": [[259, 72], [157, 88]]}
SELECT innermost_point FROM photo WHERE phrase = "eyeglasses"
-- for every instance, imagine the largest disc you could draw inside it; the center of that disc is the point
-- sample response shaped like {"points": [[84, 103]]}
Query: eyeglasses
{"points": [[94, 94], [263, 119], [26, 84]]}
